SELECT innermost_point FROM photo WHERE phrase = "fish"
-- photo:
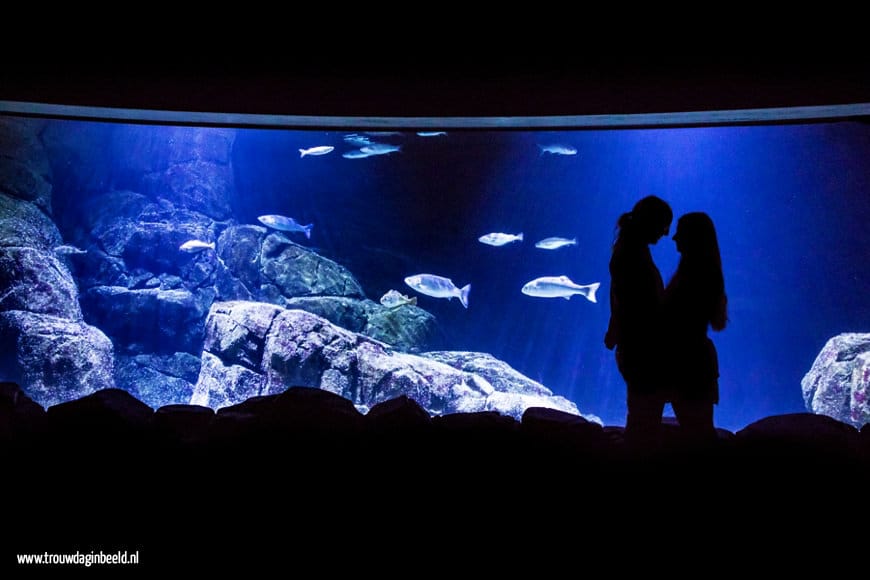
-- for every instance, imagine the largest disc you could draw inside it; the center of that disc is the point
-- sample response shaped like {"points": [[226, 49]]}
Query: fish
{"points": [[556, 149], [356, 154], [499, 239], [319, 150], [559, 287], [286, 224], [357, 140], [438, 287], [196, 246], [393, 299], [555, 243], [431, 133], [68, 250], [379, 149], [370, 150]]}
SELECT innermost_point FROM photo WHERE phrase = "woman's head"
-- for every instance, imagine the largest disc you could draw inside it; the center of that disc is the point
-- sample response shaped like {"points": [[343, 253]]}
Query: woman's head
{"points": [[696, 235], [648, 220]]}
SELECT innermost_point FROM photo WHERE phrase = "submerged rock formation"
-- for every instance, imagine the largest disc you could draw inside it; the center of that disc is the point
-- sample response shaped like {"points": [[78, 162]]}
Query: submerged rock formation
{"points": [[270, 268], [191, 166], [155, 378], [838, 384], [141, 192], [25, 173], [45, 344], [256, 349], [122, 305], [513, 392]]}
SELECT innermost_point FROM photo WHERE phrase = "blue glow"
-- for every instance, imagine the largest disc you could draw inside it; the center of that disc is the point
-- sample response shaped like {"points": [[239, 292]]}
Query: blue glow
{"points": [[791, 203]]}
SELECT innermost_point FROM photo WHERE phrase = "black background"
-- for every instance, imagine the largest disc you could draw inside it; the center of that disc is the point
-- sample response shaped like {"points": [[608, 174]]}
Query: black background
{"points": [[438, 62]]}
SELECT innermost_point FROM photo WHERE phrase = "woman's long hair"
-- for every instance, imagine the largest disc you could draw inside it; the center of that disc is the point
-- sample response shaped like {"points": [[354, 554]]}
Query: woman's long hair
{"points": [[645, 220], [701, 261]]}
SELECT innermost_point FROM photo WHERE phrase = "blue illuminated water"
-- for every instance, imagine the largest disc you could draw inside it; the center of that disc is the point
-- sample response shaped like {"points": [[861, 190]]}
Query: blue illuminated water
{"points": [[791, 203]]}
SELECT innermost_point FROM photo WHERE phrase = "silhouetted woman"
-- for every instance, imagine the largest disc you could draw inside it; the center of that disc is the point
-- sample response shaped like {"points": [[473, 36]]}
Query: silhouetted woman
{"points": [[694, 300], [636, 293]]}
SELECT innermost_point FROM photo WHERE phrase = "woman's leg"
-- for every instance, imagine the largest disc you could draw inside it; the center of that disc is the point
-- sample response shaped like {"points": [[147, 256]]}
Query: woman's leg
{"points": [[644, 421], [696, 421]]}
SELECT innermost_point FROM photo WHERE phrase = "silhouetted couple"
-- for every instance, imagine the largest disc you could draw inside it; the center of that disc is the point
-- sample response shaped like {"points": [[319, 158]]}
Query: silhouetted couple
{"points": [[660, 332]]}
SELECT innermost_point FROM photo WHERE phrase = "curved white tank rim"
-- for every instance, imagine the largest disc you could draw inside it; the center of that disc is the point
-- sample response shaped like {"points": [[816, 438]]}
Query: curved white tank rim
{"points": [[782, 115]]}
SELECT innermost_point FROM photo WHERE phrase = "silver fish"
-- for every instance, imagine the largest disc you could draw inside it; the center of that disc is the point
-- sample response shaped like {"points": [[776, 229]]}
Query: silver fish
{"points": [[393, 299], [559, 287], [555, 243], [357, 140], [379, 149], [438, 287], [356, 154], [557, 149], [286, 224], [431, 133], [500, 239], [196, 246], [68, 250], [319, 150]]}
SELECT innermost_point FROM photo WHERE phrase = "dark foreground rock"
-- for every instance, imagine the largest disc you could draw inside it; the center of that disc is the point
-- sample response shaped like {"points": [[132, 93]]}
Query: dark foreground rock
{"points": [[194, 489]]}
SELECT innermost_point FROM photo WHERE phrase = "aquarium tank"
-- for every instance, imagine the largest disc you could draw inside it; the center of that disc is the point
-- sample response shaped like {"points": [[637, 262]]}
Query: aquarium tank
{"points": [[197, 261]]}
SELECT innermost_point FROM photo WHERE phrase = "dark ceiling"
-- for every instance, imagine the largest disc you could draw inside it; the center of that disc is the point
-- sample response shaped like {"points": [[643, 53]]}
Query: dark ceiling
{"points": [[416, 79]]}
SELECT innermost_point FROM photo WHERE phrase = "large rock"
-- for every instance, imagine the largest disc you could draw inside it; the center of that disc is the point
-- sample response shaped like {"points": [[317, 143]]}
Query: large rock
{"points": [[292, 270], [221, 385], [44, 345], [815, 450], [271, 268], [350, 313], [255, 349], [36, 281], [502, 376], [514, 392], [406, 328], [22, 224], [127, 233], [111, 423], [21, 418], [239, 249], [33, 277], [182, 424], [24, 167], [149, 320], [838, 384], [158, 380], [54, 359], [191, 166]]}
